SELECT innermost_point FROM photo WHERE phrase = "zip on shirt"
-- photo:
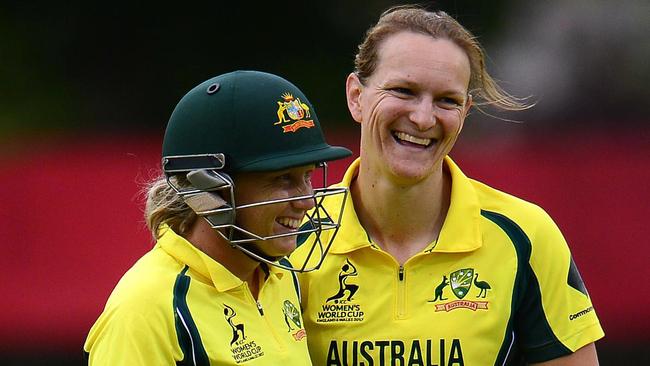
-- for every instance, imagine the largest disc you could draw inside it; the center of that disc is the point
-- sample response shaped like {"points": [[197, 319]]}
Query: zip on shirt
{"points": [[401, 310], [259, 308]]}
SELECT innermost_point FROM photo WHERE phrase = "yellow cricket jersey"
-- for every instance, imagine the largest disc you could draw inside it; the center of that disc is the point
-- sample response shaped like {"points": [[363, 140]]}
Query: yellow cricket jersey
{"points": [[498, 287], [177, 306]]}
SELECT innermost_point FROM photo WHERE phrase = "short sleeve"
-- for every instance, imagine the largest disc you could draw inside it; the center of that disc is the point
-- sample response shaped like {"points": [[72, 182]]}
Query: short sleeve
{"points": [[555, 315]]}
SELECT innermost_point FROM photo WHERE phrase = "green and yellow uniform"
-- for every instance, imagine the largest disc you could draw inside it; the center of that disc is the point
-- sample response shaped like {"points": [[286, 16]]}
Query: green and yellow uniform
{"points": [[498, 286], [177, 306]]}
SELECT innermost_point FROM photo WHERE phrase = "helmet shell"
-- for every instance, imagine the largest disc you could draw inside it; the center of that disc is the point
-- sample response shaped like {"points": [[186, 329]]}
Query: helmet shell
{"points": [[258, 121]]}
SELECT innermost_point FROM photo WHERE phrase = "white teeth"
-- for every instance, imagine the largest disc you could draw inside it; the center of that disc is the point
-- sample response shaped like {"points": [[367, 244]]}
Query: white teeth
{"points": [[289, 222], [416, 140]]}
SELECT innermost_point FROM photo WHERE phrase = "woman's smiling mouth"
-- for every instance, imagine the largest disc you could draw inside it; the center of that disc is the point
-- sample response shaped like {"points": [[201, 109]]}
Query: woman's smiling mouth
{"points": [[404, 138], [288, 222]]}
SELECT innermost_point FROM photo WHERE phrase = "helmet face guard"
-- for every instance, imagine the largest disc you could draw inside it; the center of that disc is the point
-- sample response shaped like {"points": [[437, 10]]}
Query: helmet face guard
{"points": [[211, 196]]}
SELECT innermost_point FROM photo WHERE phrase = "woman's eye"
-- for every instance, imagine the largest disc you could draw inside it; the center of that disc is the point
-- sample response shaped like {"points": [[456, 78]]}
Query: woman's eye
{"points": [[450, 102], [404, 91], [283, 178]]}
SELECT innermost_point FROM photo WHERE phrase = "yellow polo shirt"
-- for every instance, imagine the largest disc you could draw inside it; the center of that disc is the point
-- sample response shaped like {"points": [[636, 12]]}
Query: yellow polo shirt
{"points": [[498, 286], [177, 306]]}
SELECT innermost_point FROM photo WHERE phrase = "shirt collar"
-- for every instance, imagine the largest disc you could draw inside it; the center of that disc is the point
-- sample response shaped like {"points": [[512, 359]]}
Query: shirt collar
{"points": [[351, 235], [207, 268], [460, 231]]}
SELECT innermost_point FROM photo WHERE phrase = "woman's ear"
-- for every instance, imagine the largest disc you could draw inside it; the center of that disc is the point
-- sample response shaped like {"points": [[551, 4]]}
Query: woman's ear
{"points": [[353, 89]]}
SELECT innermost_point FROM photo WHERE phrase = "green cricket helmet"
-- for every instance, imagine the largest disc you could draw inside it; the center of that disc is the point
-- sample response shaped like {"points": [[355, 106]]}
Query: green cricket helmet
{"points": [[247, 121], [258, 121]]}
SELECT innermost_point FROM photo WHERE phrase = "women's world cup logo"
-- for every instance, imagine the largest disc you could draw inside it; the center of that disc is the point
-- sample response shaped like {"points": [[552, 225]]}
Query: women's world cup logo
{"points": [[242, 347], [342, 306], [293, 111]]}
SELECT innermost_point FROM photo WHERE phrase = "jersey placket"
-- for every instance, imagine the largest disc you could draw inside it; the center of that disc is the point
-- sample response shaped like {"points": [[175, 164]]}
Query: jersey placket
{"points": [[401, 309], [265, 316]]}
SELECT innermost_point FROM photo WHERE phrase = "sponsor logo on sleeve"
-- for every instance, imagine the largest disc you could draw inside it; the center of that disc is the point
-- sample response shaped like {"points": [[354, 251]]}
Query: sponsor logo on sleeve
{"points": [[581, 313]]}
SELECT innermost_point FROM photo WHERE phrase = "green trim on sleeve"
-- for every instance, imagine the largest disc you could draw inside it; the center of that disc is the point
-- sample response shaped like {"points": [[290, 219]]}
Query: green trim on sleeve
{"points": [[188, 335], [528, 325], [575, 280]]}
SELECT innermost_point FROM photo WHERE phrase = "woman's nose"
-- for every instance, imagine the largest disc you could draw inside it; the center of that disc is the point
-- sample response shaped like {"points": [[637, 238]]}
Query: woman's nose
{"points": [[307, 203], [423, 114]]}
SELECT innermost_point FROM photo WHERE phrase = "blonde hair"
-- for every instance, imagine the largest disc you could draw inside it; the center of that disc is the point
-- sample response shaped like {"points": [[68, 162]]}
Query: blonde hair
{"points": [[439, 24], [165, 207]]}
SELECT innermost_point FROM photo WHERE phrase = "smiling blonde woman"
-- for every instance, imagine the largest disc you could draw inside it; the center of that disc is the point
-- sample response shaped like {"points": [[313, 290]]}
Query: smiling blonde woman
{"points": [[447, 271]]}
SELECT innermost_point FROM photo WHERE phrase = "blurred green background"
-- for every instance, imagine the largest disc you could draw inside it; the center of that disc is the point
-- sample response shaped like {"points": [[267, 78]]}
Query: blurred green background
{"points": [[86, 89], [108, 67], [111, 66]]}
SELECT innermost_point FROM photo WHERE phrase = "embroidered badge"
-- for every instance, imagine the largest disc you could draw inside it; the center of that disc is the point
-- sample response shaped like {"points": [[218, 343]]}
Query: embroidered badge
{"points": [[461, 282], [291, 313], [293, 111]]}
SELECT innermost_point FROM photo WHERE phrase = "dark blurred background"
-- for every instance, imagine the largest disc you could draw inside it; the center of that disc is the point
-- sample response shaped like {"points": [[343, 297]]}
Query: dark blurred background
{"points": [[86, 89]]}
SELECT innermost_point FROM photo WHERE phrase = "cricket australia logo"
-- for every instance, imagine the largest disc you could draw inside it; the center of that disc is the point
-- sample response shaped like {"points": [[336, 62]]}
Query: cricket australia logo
{"points": [[341, 306], [297, 112], [242, 348], [461, 282], [292, 316]]}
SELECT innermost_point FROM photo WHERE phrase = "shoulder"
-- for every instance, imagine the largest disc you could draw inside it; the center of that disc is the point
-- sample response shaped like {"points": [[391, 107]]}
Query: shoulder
{"points": [[529, 216], [140, 304], [146, 288], [528, 226]]}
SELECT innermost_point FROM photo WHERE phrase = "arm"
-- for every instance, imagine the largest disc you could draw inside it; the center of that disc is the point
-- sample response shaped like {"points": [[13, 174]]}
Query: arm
{"points": [[585, 356]]}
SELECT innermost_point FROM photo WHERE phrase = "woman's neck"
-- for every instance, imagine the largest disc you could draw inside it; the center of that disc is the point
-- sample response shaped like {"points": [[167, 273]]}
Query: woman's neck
{"points": [[401, 219]]}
